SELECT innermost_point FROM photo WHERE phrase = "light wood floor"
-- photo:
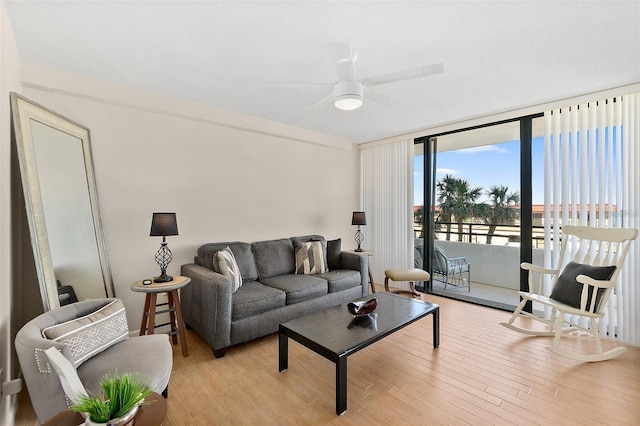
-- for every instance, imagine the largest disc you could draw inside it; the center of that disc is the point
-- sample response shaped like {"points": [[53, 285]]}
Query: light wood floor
{"points": [[482, 374]]}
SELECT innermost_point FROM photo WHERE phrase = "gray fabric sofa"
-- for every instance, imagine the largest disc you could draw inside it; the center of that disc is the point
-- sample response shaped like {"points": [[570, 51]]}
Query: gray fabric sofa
{"points": [[271, 292]]}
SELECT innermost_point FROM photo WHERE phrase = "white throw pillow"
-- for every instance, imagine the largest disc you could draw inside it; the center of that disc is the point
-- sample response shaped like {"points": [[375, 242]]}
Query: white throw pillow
{"points": [[224, 262]]}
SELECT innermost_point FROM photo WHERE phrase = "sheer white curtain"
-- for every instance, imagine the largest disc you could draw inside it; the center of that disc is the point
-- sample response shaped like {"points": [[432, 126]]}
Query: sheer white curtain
{"points": [[387, 200], [591, 160]]}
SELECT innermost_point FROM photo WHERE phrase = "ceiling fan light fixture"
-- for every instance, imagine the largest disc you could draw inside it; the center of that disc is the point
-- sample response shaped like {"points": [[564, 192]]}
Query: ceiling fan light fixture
{"points": [[348, 102], [348, 94]]}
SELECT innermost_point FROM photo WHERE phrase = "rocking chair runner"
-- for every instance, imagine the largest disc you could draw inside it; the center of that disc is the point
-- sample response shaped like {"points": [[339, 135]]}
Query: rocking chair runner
{"points": [[586, 251]]}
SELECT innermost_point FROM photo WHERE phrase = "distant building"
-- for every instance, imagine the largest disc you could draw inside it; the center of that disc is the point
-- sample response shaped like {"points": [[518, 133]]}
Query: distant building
{"points": [[538, 213]]}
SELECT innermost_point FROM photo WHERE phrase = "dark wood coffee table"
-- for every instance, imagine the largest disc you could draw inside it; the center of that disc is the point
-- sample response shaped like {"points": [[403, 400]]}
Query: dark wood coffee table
{"points": [[335, 334]]}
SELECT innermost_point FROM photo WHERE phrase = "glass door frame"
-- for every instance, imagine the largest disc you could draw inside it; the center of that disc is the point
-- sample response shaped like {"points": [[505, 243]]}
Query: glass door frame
{"points": [[429, 144]]}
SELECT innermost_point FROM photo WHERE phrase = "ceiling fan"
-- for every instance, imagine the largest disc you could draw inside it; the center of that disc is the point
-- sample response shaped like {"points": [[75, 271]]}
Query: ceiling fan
{"points": [[348, 91]]}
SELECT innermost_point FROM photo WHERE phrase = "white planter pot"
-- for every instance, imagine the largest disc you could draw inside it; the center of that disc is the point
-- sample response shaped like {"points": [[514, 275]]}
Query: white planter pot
{"points": [[115, 422]]}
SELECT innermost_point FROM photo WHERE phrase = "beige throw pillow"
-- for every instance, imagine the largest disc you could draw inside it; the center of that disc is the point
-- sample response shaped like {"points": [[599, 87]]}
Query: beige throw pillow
{"points": [[93, 333], [311, 257]]}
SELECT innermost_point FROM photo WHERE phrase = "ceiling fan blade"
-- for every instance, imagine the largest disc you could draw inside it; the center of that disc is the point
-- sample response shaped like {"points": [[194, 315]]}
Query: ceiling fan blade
{"points": [[342, 56], [403, 75], [378, 98], [294, 85], [327, 100]]}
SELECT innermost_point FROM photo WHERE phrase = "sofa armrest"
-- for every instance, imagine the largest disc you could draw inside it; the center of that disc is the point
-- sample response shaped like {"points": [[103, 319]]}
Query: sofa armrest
{"points": [[357, 262], [206, 304]]}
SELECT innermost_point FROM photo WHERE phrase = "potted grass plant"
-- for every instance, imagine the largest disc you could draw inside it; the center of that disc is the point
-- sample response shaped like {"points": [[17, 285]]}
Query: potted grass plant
{"points": [[118, 405]]}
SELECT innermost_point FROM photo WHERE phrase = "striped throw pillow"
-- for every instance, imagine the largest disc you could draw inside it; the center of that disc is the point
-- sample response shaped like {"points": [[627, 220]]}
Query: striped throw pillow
{"points": [[311, 257], [224, 262]]}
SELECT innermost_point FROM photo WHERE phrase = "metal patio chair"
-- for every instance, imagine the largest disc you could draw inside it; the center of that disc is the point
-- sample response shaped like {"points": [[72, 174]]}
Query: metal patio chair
{"points": [[452, 271]]}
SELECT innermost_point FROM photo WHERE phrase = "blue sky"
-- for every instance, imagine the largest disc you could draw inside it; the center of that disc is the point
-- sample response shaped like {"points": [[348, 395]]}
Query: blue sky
{"points": [[485, 166]]}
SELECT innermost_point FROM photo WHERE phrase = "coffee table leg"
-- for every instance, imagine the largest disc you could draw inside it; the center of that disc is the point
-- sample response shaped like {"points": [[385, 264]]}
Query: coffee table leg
{"points": [[283, 352], [341, 385], [436, 327]]}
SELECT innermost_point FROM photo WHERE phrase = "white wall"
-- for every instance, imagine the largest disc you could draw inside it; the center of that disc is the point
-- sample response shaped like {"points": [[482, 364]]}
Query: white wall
{"points": [[9, 81], [227, 176], [491, 264]]}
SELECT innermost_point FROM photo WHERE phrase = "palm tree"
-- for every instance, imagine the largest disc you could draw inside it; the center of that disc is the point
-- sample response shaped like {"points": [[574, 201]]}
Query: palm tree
{"points": [[501, 209], [457, 200], [465, 206], [418, 219], [445, 199]]}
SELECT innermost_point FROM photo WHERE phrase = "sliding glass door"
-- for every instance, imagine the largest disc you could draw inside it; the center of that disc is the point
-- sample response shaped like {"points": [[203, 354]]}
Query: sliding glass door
{"points": [[468, 211]]}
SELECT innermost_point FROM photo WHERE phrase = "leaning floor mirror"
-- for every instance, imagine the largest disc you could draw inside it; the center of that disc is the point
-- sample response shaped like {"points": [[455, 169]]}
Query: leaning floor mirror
{"points": [[62, 208]]}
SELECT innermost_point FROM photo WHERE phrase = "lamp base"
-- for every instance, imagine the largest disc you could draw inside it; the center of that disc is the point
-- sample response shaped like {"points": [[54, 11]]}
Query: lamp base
{"points": [[359, 237], [163, 279]]}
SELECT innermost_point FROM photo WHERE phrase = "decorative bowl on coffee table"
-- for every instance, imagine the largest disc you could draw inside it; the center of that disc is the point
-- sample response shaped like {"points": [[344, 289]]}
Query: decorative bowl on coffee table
{"points": [[363, 307]]}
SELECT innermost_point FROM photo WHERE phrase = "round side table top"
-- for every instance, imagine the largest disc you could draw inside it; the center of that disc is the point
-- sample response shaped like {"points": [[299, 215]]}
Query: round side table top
{"points": [[177, 282], [151, 413], [367, 252]]}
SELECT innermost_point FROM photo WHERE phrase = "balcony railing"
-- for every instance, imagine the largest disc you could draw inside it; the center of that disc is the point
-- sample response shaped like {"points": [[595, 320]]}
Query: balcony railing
{"points": [[477, 233], [496, 264]]}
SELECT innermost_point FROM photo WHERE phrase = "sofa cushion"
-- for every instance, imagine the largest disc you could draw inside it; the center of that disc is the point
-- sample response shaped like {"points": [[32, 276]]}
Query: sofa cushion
{"points": [[224, 262], [298, 287], [242, 252], [311, 257], [334, 254], [93, 333], [341, 279], [274, 257], [254, 298]]}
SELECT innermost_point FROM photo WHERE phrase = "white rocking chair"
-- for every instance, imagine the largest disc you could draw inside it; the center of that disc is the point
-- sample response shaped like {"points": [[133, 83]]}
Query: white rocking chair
{"points": [[593, 249]]}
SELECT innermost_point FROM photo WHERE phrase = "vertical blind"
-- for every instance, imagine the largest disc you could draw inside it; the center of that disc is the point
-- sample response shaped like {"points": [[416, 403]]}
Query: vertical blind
{"points": [[387, 199], [591, 157]]}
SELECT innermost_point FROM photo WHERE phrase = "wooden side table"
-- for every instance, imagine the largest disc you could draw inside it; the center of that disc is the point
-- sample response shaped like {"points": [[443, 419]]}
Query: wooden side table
{"points": [[151, 413], [148, 325], [368, 253]]}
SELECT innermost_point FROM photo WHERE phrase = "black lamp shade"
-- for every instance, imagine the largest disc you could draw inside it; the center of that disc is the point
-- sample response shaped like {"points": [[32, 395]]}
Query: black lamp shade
{"points": [[358, 218], [163, 224]]}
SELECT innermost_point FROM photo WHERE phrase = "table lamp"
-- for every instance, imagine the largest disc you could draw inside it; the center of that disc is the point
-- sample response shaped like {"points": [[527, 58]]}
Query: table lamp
{"points": [[163, 225], [359, 219]]}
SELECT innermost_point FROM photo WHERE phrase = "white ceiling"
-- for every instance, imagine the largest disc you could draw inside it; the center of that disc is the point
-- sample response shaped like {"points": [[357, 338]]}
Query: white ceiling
{"points": [[498, 56]]}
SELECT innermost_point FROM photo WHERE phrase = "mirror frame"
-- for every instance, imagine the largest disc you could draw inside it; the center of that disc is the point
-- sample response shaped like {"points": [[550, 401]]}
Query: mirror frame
{"points": [[24, 111]]}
